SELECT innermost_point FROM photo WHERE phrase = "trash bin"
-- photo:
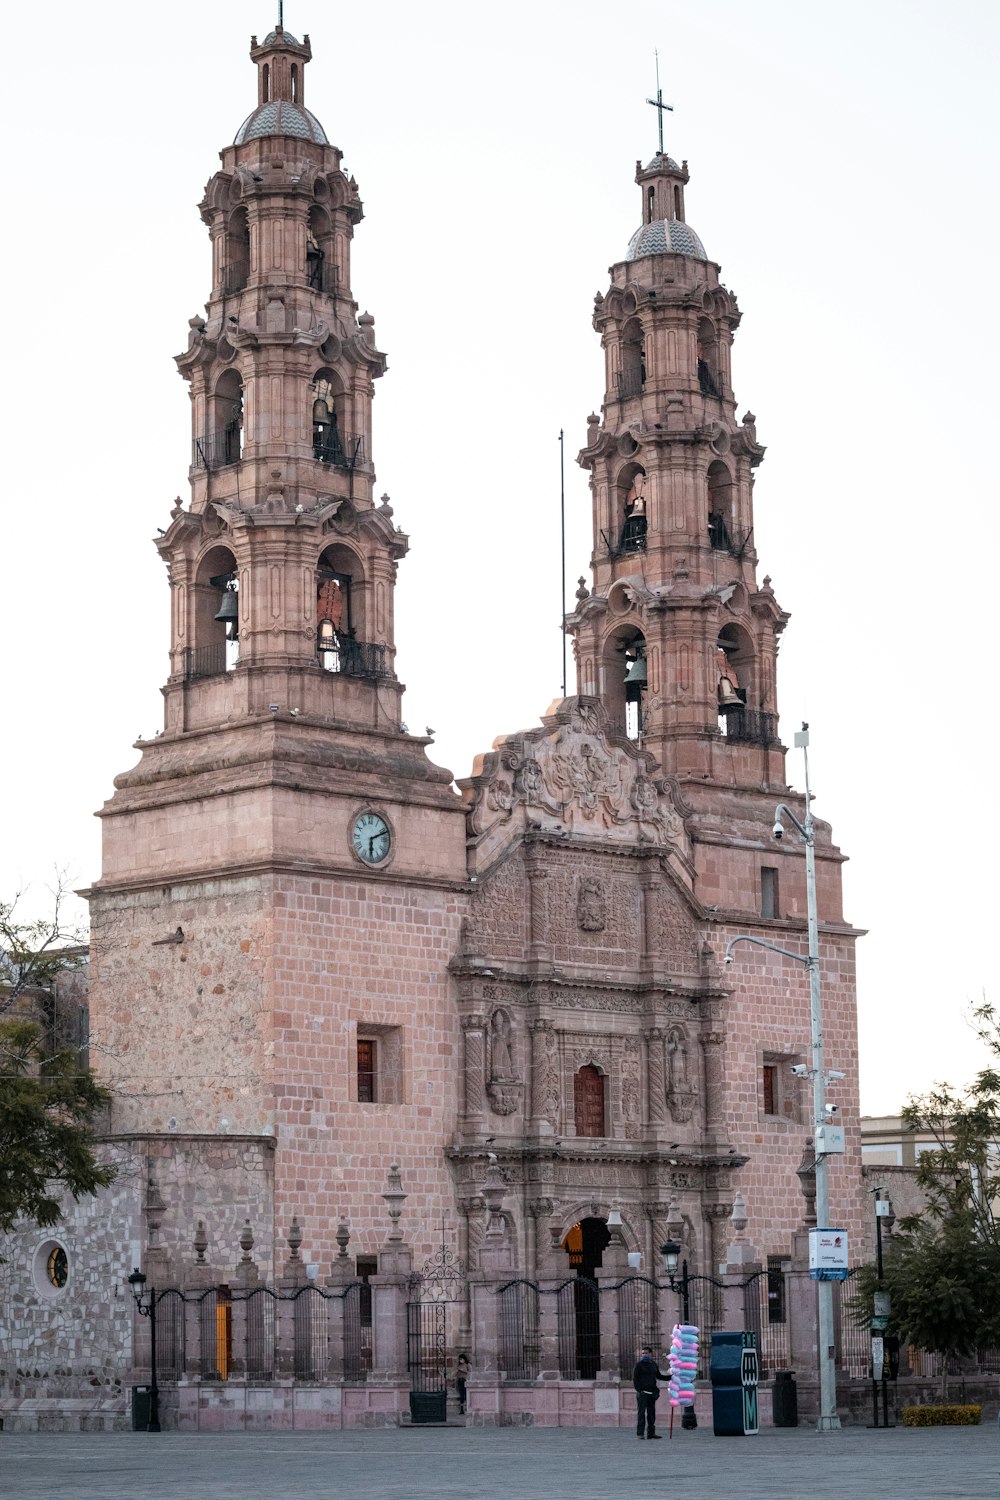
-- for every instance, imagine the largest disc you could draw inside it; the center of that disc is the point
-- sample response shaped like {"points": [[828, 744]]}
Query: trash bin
{"points": [[784, 1399], [140, 1408]]}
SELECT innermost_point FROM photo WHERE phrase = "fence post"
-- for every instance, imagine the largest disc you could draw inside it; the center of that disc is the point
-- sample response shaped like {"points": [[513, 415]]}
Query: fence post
{"points": [[614, 1270], [341, 1275], [294, 1277]]}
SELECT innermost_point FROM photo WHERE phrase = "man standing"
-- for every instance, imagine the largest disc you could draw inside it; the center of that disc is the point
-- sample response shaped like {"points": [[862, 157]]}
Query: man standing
{"points": [[644, 1378]]}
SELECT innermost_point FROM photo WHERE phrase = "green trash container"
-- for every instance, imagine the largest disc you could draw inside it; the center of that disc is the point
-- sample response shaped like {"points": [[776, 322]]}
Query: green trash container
{"points": [[140, 1408], [784, 1400]]}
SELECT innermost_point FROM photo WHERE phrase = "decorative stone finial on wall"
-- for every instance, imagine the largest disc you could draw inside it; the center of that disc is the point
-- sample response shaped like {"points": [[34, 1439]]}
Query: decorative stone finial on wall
{"points": [[246, 1244], [394, 1198], [294, 1238], [200, 1242], [343, 1237]]}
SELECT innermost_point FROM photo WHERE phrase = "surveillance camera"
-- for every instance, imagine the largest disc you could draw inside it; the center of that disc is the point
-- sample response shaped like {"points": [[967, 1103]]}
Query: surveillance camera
{"points": [[833, 1075], [800, 1070], [728, 958], [777, 830], [831, 1109]]}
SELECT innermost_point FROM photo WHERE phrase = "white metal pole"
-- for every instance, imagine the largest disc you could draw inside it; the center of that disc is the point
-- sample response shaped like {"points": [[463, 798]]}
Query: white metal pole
{"points": [[828, 1418]]}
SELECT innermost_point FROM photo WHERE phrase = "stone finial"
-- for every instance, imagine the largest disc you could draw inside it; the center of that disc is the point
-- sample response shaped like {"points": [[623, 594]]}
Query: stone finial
{"points": [[246, 1244], [582, 591], [200, 1242], [394, 1197], [155, 1209], [342, 1237], [493, 1191], [294, 1239], [739, 1214]]}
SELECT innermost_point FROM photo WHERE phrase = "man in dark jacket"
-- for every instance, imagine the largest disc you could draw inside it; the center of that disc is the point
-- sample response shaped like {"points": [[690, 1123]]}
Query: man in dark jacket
{"points": [[644, 1378]]}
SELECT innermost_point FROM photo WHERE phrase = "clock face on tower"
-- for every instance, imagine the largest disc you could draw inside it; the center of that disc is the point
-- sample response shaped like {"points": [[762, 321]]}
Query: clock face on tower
{"points": [[371, 838]]}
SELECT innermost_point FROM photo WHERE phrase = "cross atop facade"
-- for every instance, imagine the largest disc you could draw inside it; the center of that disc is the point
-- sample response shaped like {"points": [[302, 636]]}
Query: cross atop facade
{"points": [[658, 103]]}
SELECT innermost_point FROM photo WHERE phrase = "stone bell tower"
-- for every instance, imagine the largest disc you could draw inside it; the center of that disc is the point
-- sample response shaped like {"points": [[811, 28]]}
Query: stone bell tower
{"points": [[676, 637], [278, 891]]}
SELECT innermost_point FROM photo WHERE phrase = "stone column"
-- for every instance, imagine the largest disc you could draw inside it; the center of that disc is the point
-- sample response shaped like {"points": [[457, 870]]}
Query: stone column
{"points": [[245, 1279], [656, 1077], [342, 1273], [544, 1079], [712, 1043], [286, 1310], [741, 1263], [648, 884], [614, 1268], [199, 1280], [539, 948], [474, 1074]]}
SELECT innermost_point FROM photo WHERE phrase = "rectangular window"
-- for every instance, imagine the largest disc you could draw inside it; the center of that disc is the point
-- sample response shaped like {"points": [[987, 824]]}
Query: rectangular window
{"points": [[768, 891], [769, 1079], [367, 1070]]}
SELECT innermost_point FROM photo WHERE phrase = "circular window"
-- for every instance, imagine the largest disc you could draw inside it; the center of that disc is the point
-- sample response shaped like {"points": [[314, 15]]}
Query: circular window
{"points": [[50, 1271]]}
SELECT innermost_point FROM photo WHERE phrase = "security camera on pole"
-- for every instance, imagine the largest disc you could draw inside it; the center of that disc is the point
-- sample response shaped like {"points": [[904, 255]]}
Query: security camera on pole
{"points": [[828, 1247]]}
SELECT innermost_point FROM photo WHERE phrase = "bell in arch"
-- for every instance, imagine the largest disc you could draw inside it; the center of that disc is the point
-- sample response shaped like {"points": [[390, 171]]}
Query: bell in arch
{"points": [[637, 675], [229, 612]]}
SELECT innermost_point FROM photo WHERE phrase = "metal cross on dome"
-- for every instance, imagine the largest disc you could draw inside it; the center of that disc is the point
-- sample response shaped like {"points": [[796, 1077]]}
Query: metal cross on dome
{"points": [[658, 103]]}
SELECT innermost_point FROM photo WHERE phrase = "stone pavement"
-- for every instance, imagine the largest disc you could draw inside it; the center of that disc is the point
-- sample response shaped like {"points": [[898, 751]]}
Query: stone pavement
{"points": [[490, 1463]]}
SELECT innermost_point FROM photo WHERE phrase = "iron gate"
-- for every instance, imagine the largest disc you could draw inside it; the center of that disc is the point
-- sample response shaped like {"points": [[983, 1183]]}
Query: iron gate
{"points": [[427, 1360]]}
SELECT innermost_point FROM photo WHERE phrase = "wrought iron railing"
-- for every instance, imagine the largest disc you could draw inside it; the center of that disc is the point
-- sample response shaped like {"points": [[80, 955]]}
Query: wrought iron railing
{"points": [[321, 274], [631, 538], [214, 450], [352, 658], [709, 383], [207, 661], [751, 726], [630, 383], [518, 1351], [234, 277], [721, 539], [345, 450]]}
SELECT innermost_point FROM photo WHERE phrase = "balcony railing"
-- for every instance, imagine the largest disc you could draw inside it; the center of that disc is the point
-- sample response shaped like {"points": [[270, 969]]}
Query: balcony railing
{"points": [[345, 450], [751, 726], [213, 450], [234, 277], [321, 274], [631, 538], [709, 382], [721, 539], [207, 661], [352, 658], [630, 383]]}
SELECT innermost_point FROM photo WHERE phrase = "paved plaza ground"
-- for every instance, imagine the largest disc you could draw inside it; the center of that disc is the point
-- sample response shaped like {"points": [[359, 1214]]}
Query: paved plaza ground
{"points": [[488, 1463]]}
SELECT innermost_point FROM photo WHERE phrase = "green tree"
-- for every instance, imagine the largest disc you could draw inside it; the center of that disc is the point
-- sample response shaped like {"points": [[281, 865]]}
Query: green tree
{"points": [[47, 1109], [34, 954], [942, 1267]]}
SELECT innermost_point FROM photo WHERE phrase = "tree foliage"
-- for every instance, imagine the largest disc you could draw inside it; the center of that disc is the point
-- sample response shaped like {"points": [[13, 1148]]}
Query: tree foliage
{"points": [[942, 1266], [47, 1109], [34, 954]]}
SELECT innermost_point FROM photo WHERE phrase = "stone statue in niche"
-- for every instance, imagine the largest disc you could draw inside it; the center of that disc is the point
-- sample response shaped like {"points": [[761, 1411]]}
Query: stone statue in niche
{"points": [[681, 1093], [591, 904], [504, 1086]]}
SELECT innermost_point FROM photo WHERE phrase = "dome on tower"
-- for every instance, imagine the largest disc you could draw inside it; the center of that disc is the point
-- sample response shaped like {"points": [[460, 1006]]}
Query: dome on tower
{"points": [[665, 237], [285, 36], [281, 117]]}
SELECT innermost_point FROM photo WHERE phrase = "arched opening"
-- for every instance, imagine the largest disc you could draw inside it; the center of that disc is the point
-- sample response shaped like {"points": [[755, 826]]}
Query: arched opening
{"points": [[223, 442], [295, 83], [650, 201], [735, 686], [579, 1308], [265, 84], [236, 269], [320, 267], [678, 205], [327, 393], [216, 618], [632, 509], [721, 531], [340, 617], [632, 375], [626, 681], [709, 382]]}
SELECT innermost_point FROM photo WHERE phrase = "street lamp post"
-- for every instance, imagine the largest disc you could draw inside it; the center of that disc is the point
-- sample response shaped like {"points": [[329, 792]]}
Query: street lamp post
{"points": [[828, 1418], [883, 1210], [671, 1254], [137, 1282]]}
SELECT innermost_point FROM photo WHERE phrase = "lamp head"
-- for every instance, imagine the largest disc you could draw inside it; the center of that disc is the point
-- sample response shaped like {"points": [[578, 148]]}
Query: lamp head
{"points": [[671, 1253]]}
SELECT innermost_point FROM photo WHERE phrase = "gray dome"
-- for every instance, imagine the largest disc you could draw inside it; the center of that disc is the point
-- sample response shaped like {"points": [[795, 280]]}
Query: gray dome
{"points": [[662, 163], [281, 117], [665, 237], [286, 36]]}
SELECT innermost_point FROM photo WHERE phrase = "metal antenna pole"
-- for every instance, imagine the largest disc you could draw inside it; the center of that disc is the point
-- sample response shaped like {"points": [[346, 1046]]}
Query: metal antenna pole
{"points": [[562, 526]]}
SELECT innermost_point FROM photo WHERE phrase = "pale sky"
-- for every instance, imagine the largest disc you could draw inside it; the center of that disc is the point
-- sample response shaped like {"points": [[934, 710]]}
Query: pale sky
{"points": [[843, 172]]}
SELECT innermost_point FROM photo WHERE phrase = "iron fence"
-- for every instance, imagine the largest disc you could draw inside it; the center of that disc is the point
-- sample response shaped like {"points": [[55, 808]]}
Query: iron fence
{"points": [[638, 1317], [578, 1328], [630, 383], [751, 726], [206, 661], [345, 450], [352, 658], [214, 450], [765, 1311], [321, 274], [234, 277], [260, 1334], [518, 1330]]}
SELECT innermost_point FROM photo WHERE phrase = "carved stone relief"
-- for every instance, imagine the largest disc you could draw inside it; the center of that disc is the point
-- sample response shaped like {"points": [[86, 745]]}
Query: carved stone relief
{"points": [[591, 904], [631, 1088], [682, 1094], [504, 1087]]}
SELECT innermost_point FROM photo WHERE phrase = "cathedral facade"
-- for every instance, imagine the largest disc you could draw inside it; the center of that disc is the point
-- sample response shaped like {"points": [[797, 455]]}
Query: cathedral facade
{"points": [[315, 957]]}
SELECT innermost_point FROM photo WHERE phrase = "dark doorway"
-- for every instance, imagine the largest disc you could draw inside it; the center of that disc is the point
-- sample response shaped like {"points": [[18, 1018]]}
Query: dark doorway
{"points": [[585, 1244]]}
